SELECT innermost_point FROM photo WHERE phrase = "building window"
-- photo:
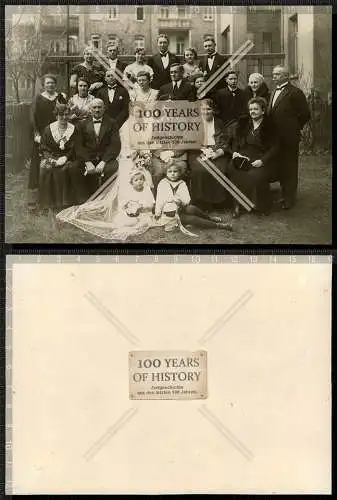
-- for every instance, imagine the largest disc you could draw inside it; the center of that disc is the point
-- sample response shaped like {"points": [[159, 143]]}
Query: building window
{"points": [[267, 43], [182, 11], [293, 45], [113, 12], [164, 12], [73, 44], [180, 45], [140, 13], [208, 13], [96, 41], [55, 46], [139, 42]]}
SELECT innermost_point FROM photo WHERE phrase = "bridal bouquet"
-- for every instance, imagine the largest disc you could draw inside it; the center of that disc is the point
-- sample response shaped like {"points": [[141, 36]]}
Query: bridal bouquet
{"points": [[142, 159]]}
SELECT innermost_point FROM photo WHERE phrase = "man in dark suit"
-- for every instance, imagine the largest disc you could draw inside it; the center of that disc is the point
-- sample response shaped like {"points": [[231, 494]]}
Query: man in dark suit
{"points": [[112, 55], [289, 111], [211, 62], [179, 89], [97, 148], [161, 62], [231, 100], [115, 97]]}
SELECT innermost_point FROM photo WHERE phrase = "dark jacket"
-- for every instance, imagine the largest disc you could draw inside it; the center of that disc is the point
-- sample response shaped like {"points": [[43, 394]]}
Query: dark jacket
{"points": [[289, 114], [230, 107], [262, 145], [118, 109], [161, 76], [106, 147], [186, 92], [219, 60]]}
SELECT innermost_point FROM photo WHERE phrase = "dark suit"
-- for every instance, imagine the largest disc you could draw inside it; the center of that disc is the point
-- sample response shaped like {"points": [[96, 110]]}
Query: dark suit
{"points": [[185, 92], [161, 76], [289, 114], [118, 109], [217, 63], [231, 104], [88, 147]]}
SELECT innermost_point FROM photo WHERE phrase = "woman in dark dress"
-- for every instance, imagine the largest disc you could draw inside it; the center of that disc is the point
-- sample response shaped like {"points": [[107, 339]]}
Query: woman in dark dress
{"points": [[42, 115], [206, 192], [257, 87], [57, 155], [254, 146], [92, 73]]}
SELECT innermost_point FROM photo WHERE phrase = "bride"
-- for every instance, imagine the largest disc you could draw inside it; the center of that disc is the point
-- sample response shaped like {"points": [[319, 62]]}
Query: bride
{"points": [[123, 205]]}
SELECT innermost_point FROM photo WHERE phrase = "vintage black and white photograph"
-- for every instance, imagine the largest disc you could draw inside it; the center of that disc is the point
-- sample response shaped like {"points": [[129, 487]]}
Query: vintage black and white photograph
{"points": [[169, 124]]}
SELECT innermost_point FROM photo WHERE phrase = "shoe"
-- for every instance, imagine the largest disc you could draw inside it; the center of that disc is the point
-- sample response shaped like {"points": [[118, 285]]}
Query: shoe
{"points": [[237, 212], [287, 205], [214, 218], [225, 225]]}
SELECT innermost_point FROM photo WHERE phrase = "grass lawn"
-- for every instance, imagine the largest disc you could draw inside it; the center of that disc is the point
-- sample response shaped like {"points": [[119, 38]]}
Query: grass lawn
{"points": [[309, 222]]}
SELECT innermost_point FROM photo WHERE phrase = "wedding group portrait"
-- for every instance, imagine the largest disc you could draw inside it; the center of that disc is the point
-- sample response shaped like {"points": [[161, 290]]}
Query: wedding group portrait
{"points": [[243, 156]]}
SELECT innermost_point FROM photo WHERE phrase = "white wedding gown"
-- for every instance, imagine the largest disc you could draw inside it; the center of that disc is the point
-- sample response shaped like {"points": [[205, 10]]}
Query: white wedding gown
{"points": [[101, 214]]}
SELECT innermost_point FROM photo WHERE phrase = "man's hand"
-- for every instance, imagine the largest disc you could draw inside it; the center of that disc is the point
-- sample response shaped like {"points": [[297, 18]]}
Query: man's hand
{"points": [[89, 168], [37, 138], [100, 167], [61, 161], [257, 163]]}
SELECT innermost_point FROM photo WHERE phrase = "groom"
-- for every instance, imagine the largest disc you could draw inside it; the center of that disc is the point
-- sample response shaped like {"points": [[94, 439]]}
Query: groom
{"points": [[97, 148]]}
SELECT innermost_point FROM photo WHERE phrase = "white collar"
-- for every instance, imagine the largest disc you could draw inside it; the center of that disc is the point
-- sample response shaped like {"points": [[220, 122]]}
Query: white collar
{"points": [[177, 83], [56, 133], [212, 56], [280, 87], [49, 97]]}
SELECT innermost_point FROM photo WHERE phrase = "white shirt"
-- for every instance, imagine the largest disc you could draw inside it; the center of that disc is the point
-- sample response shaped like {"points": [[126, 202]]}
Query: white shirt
{"points": [[278, 91], [111, 94], [169, 191], [112, 63], [210, 61], [176, 84], [165, 60], [209, 133], [97, 127]]}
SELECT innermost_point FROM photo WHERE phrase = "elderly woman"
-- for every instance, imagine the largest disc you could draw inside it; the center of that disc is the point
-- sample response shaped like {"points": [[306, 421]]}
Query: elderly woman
{"points": [[42, 115], [191, 65], [57, 154], [206, 192], [92, 73], [131, 71], [254, 147], [79, 104], [257, 87]]}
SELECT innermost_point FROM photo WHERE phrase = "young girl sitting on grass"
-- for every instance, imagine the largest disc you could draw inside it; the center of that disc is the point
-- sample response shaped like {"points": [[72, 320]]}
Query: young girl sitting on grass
{"points": [[173, 208]]}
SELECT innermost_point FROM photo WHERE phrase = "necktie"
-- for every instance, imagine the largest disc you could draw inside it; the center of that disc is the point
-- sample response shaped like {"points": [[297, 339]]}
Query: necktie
{"points": [[97, 121]]}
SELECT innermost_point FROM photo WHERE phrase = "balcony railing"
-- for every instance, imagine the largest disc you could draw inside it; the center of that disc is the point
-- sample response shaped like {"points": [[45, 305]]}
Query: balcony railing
{"points": [[174, 23]]}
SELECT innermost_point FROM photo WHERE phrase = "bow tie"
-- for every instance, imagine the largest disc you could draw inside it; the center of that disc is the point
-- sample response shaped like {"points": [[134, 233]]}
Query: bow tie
{"points": [[112, 88], [163, 55], [211, 56], [97, 121], [280, 87]]}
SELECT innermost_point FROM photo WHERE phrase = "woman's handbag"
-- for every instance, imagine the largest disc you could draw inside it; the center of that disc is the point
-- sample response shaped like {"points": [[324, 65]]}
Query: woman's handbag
{"points": [[242, 163]]}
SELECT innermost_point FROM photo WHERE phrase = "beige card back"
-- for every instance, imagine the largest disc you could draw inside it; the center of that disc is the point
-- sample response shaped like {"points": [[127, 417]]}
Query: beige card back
{"points": [[264, 426]]}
